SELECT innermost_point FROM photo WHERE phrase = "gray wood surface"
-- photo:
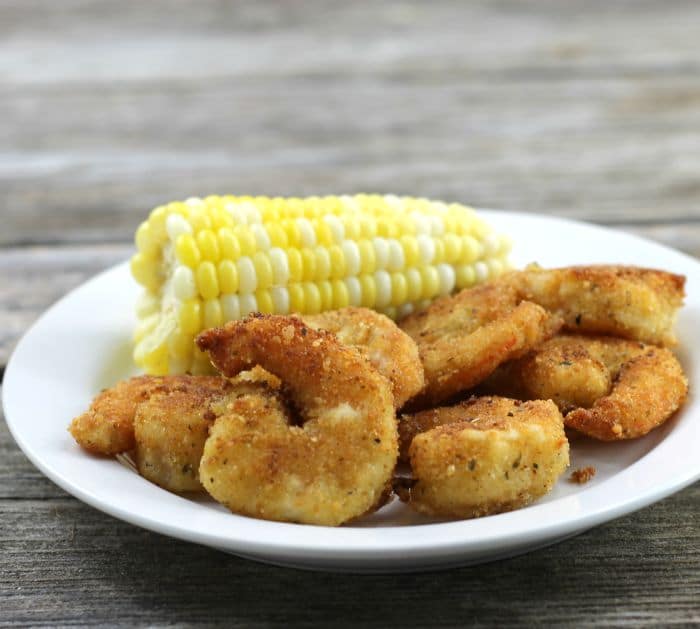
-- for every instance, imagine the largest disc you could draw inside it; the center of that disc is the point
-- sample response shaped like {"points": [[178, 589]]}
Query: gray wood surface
{"points": [[587, 110]]}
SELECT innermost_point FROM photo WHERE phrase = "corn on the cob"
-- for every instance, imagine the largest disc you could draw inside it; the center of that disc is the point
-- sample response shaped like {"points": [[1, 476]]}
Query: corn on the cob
{"points": [[206, 261]]}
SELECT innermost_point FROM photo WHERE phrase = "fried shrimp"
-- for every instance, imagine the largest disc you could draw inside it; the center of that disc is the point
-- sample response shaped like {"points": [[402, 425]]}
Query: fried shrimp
{"points": [[608, 388], [171, 427], [390, 350], [484, 456], [333, 467], [463, 338], [108, 425], [630, 302]]}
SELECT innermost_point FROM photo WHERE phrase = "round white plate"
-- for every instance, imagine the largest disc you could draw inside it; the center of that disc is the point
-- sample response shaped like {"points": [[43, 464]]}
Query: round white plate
{"points": [[82, 344]]}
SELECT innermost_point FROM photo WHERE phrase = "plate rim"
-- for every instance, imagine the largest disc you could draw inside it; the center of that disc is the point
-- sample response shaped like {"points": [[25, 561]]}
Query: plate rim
{"points": [[321, 546]]}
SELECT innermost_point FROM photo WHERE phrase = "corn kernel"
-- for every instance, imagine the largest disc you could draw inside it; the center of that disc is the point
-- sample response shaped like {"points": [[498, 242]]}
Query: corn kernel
{"points": [[229, 247], [308, 264], [184, 284], [230, 307], [307, 236], [410, 250], [312, 298], [446, 277], [263, 269], [354, 288], [246, 240], [207, 281], [187, 251], [399, 289], [280, 299], [382, 282], [248, 304], [278, 237], [175, 225], [337, 262], [323, 263], [465, 275], [262, 239], [431, 282], [396, 259], [296, 298], [208, 245], [247, 280], [189, 316], [471, 250], [265, 303], [227, 274], [369, 290], [296, 265], [341, 298], [453, 247], [180, 345], [414, 284], [145, 271], [368, 259], [145, 241], [325, 289]]}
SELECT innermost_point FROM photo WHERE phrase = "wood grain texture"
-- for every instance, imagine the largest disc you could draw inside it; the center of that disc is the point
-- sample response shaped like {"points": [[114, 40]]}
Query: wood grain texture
{"points": [[589, 111], [584, 109]]}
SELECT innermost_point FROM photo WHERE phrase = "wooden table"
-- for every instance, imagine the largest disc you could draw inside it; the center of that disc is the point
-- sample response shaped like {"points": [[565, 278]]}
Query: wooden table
{"points": [[588, 110]]}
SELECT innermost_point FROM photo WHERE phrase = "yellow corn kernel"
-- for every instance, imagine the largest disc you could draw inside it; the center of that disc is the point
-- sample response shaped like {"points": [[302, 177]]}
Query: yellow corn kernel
{"points": [[229, 248], [144, 268], [227, 274], [189, 316], [312, 298], [296, 265], [325, 289], [431, 282], [208, 245], [399, 289], [369, 290], [187, 251], [341, 298], [263, 269], [207, 281], [368, 259], [181, 345], [296, 298], [213, 316]]}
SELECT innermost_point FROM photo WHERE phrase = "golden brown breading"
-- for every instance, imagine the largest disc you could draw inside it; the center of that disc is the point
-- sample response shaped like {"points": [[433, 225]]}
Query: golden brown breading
{"points": [[391, 351], [463, 338], [608, 388], [332, 468], [631, 302], [172, 427], [108, 425], [647, 391], [507, 454]]}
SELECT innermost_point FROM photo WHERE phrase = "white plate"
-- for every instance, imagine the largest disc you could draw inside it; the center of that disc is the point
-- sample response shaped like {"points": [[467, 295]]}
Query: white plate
{"points": [[82, 344]]}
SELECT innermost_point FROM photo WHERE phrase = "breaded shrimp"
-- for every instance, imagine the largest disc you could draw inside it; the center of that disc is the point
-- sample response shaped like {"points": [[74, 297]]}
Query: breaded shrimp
{"points": [[485, 456], [171, 427], [390, 350], [504, 456], [647, 391], [333, 467], [631, 302], [108, 425], [463, 338], [608, 388]]}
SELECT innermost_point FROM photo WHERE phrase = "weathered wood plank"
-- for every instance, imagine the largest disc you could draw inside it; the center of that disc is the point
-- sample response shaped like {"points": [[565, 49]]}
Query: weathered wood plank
{"points": [[535, 111]]}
